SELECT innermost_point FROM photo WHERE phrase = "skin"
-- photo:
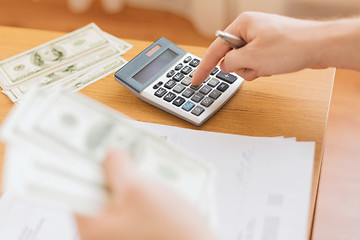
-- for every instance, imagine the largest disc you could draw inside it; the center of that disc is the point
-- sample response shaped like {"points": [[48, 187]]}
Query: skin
{"points": [[139, 208], [278, 44]]}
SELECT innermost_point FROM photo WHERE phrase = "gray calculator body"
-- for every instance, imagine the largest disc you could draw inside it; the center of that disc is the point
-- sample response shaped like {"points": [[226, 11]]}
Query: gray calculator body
{"points": [[161, 75]]}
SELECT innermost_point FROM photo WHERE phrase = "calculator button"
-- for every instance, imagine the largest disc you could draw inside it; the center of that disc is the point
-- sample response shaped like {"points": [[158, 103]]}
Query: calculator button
{"points": [[196, 87], [215, 94], [222, 87], [170, 73], [207, 102], [170, 84], [213, 82], [178, 101], [156, 86], [197, 97], [214, 71], [205, 89], [186, 70], [186, 81], [179, 66], [169, 97], [160, 92], [188, 92], [179, 88], [192, 74], [188, 106], [187, 59], [227, 77], [195, 62], [178, 77], [197, 110]]}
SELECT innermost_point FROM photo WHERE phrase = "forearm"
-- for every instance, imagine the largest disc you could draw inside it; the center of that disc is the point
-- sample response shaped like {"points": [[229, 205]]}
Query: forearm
{"points": [[339, 44]]}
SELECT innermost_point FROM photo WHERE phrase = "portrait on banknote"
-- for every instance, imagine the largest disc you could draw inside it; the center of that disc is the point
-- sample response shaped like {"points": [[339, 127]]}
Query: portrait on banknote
{"points": [[48, 55]]}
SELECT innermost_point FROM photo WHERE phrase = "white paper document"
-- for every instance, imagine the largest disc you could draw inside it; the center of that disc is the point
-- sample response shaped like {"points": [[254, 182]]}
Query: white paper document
{"points": [[263, 185], [21, 220], [262, 189]]}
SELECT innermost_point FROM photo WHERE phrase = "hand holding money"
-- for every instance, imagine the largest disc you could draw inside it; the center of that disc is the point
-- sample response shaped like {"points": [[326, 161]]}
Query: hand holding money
{"points": [[56, 142], [140, 209]]}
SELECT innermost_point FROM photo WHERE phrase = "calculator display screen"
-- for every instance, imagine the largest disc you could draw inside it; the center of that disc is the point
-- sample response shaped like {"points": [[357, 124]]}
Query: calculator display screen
{"points": [[155, 66]]}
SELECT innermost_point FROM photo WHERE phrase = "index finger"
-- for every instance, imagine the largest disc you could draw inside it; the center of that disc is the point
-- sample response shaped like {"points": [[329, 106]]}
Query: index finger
{"points": [[212, 56]]}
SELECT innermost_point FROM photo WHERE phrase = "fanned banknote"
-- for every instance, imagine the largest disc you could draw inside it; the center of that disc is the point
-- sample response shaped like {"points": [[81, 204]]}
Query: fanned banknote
{"points": [[66, 60], [56, 142]]}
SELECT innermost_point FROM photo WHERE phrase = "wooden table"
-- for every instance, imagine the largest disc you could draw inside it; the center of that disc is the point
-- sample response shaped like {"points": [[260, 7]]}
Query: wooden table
{"points": [[290, 105]]}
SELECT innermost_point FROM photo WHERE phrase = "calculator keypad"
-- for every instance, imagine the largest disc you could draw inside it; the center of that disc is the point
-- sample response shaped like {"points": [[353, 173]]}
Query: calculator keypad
{"points": [[222, 87], [179, 101], [197, 97], [207, 102], [193, 99], [186, 70], [170, 96], [178, 77], [170, 84], [195, 62], [188, 92], [188, 106], [160, 92], [197, 110], [179, 88]]}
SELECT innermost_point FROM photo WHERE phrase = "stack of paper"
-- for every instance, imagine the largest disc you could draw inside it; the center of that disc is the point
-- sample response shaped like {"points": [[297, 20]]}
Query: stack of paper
{"points": [[72, 61], [263, 185], [24, 220], [55, 144]]}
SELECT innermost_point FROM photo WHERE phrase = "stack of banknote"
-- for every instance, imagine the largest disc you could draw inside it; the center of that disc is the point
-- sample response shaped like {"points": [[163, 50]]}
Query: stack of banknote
{"points": [[72, 61], [56, 142]]}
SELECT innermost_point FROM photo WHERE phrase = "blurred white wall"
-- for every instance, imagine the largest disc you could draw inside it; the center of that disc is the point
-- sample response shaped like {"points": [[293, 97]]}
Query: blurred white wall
{"points": [[211, 15]]}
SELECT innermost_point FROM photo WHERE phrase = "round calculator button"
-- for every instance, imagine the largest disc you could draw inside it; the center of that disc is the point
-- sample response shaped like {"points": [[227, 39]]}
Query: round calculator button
{"points": [[179, 66], [178, 77], [187, 59], [156, 86], [186, 70], [170, 84], [169, 97], [195, 62], [160, 92], [170, 73]]}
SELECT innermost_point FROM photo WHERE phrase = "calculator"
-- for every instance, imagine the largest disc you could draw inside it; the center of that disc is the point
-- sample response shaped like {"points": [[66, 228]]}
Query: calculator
{"points": [[161, 75]]}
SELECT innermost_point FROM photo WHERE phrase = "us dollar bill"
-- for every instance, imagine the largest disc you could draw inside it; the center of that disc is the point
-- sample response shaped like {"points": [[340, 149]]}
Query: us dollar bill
{"points": [[120, 44], [25, 65], [64, 138], [53, 63], [74, 76]]}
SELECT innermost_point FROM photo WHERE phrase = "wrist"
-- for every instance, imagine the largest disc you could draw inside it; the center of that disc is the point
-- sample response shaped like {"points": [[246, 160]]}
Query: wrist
{"points": [[337, 44]]}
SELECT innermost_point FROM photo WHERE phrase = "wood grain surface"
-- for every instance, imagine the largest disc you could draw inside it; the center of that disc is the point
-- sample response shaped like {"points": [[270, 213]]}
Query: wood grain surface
{"points": [[290, 105], [337, 210]]}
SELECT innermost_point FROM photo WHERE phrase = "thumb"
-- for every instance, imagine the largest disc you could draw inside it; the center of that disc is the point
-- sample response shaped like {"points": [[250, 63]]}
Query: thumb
{"points": [[242, 62], [119, 170], [236, 59]]}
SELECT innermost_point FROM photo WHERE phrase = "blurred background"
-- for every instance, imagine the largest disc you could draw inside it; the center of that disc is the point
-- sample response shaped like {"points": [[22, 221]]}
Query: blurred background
{"points": [[193, 22], [183, 21]]}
